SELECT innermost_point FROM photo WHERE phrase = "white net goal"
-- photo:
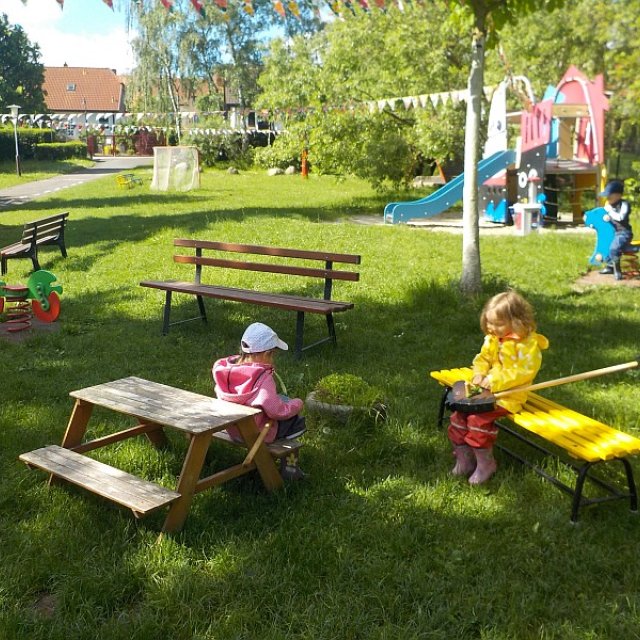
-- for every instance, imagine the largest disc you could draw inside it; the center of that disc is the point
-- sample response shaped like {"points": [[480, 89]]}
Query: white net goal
{"points": [[175, 169]]}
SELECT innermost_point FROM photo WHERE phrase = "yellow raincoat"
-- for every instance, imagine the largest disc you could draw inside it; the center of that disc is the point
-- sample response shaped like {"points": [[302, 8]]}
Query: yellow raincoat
{"points": [[510, 362]]}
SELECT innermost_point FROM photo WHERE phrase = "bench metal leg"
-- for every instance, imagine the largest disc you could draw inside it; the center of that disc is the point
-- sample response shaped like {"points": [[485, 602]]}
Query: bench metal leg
{"points": [[577, 492], [203, 313], [299, 334], [633, 494], [332, 329], [443, 406], [166, 314]]}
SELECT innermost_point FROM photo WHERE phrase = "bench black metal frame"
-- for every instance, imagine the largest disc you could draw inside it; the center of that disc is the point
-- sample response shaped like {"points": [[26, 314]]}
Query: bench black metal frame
{"points": [[300, 304], [38, 233], [582, 470]]}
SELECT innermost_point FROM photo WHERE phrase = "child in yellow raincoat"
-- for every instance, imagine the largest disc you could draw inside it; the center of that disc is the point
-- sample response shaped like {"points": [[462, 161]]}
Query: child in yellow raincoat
{"points": [[510, 356]]}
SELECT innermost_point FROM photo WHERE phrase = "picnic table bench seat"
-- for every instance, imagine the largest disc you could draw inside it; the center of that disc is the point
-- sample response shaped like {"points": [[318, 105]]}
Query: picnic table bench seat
{"points": [[37, 233], [584, 440], [282, 264]]}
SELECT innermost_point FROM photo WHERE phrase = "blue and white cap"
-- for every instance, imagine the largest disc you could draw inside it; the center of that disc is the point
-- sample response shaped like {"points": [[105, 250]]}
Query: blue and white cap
{"points": [[259, 337]]}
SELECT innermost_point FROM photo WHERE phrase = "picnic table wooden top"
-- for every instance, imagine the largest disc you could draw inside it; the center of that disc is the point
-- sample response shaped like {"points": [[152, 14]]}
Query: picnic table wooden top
{"points": [[183, 410]]}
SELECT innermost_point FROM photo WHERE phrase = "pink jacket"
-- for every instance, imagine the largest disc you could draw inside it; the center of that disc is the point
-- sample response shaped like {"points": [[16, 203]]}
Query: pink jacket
{"points": [[252, 384]]}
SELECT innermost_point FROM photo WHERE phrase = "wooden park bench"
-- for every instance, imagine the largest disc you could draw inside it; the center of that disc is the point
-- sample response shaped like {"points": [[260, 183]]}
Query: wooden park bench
{"points": [[43, 232], [580, 443], [128, 180], [282, 265]]}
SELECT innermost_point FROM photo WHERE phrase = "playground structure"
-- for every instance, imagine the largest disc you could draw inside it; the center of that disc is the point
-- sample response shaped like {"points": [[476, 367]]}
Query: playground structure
{"points": [[559, 150], [39, 298]]}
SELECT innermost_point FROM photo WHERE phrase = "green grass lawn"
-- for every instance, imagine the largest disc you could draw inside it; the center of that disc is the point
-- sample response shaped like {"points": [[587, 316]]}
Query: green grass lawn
{"points": [[379, 542]]}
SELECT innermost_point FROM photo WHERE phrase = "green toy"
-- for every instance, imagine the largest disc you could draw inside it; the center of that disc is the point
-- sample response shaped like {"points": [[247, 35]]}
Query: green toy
{"points": [[44, 295]]}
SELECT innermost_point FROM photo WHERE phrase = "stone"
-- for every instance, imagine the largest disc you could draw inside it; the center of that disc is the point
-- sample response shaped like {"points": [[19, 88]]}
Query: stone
{"points": [[275, 171], [233, 171], [290, 170]]}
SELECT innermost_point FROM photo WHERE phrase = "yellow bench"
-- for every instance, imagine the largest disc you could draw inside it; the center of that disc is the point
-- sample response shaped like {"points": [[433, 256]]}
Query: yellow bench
{"points": [[128, 180], [584, 439]]}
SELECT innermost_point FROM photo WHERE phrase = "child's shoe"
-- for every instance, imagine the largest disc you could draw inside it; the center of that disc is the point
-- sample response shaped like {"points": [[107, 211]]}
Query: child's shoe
{"points": [[617, 271], [486, 466], [607, 270], [465, 460]]}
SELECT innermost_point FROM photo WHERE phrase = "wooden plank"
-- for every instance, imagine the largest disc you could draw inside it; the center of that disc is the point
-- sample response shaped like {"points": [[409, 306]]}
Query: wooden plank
{"points": [[268, 251], [141, 496], [177, 408], [262, 267], [279, 301], [277, 448]]}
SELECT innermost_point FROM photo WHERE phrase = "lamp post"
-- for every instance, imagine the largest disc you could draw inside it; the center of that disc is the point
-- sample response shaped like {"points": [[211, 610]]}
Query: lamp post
{"points": [[15, 110]]}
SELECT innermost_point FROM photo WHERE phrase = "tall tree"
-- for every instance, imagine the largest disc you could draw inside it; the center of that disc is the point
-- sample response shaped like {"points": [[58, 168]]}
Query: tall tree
{"points": [[489, 16], [21, 74]]}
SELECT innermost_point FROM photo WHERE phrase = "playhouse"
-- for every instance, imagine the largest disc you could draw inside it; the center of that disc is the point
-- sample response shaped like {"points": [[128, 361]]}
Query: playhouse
{"points": [[558, 152]]}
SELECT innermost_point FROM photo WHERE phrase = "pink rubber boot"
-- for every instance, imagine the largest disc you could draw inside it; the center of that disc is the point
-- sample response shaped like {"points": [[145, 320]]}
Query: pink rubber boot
{"points": [[486, 466], [465, 460]]}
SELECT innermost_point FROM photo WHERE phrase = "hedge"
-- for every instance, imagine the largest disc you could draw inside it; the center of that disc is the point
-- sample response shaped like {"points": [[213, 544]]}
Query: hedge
{"points": [[28, 139], [60, 150]]}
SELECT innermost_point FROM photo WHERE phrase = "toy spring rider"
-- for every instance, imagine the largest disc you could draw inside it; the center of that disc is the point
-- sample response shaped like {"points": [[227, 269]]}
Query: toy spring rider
{"points": [[44, 297]]}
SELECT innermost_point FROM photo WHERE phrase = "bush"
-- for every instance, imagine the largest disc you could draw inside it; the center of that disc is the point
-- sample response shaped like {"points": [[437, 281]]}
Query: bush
{"points": [[28, 139], [284, 152], [60, 150], [227, 146]]}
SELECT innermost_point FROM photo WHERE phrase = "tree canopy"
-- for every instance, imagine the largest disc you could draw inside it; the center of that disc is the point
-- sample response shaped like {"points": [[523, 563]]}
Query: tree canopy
{"points": [[21, 74]]}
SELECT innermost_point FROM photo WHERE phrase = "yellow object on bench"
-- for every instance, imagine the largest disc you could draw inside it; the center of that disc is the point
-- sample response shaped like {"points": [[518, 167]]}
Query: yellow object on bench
{"points": [[586, 440]]}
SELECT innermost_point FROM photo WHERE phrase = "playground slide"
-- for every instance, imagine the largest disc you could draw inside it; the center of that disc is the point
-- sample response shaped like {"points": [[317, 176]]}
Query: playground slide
{"points": [[447, 195]]}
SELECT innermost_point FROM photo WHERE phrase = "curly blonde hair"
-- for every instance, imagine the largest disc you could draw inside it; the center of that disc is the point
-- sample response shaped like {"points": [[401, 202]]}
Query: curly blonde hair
{"points": [[511, 309]]}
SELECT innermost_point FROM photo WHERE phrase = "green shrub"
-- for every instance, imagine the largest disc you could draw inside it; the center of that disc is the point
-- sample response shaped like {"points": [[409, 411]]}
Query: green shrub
{"points": [[28, 139], [348, 389], [60, 150], [284, 152]]}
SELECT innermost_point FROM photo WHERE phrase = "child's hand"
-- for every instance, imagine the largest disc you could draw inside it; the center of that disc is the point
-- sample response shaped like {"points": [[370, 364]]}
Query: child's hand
{"points": [[481, 381], [606, 218]]}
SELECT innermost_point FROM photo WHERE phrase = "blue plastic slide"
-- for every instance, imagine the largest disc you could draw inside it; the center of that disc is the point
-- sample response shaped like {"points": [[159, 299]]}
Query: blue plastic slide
{"points": [[447, 195]]}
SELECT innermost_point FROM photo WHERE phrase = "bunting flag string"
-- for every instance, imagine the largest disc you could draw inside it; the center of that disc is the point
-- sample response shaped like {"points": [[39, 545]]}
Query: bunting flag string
{"points": [[61, 3], [198, 6], [248, 7], [279, 8], [109, 3], [167, 4]]}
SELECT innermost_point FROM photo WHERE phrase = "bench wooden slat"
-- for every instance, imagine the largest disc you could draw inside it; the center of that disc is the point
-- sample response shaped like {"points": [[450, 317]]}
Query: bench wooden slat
{"points": [[278, 300], [268, 251], [277, 448], [137, 494], [269, 267]]}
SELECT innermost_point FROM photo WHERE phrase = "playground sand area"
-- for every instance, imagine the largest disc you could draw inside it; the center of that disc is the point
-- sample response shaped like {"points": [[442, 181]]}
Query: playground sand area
{"points": [[37, 327]]}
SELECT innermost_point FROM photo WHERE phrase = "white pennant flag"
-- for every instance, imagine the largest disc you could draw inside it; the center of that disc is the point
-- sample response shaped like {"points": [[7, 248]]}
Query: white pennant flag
{"points": [[423, 100], [407, 101]]}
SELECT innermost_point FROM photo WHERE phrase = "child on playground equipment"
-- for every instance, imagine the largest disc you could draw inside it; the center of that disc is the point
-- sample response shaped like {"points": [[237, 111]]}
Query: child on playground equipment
{"points": [[249, 379], [618, 211], [510, 356]]}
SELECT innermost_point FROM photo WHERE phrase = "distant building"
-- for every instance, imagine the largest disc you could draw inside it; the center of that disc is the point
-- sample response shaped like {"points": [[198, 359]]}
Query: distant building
{"points": [[83, 96]]}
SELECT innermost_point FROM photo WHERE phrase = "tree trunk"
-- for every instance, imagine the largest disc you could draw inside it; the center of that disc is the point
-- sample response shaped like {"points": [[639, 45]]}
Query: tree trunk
{"points": [[471, 281]]}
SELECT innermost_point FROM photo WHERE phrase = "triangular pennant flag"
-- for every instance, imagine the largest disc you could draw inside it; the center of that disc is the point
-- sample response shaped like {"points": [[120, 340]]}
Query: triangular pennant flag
{"points": [[423, 100], [371, 105], [198, 6], [407, 102], [109, 3], [222, 4], [279, 8], [434, 99], [293, 7], [488, 91], [248, 7], [382, 104], [392, 104], [167, 4], [61, 3]]}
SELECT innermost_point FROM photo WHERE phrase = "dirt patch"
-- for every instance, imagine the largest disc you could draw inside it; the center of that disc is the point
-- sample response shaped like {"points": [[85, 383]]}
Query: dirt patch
{"points": [[595, 279], [45, 605], [37, 327]]}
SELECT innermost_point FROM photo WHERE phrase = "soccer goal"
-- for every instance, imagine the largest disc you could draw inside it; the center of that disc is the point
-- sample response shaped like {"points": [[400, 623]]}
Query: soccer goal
{"points": [[175, 169]]}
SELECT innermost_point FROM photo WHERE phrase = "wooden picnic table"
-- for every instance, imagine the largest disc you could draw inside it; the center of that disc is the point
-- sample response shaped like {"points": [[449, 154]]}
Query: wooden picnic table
{"points": [[155, 407]]}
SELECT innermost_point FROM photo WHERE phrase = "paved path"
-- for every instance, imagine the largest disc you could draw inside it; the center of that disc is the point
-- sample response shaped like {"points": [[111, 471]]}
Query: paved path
{"points": [[103, 166]]}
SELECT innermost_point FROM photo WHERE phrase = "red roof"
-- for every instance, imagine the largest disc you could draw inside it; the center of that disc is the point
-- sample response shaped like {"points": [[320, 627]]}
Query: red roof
{"points": [[70, 89]]}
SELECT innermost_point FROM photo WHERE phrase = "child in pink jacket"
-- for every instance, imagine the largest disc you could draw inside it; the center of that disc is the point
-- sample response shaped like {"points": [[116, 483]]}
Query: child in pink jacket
{"points": [[249, 379]]}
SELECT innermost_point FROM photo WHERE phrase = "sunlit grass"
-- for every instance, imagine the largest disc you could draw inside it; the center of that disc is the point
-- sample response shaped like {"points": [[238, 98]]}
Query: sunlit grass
{"points": [[379, 542]]}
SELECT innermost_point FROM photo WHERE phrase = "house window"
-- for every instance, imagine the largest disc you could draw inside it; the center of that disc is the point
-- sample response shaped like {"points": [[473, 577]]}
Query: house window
{"points": [[71, 86]]}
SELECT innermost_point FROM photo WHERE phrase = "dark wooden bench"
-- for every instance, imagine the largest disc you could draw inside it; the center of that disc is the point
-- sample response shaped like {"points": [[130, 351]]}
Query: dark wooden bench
{"points": [[582, 442], [38, 233], [298, 303]]}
